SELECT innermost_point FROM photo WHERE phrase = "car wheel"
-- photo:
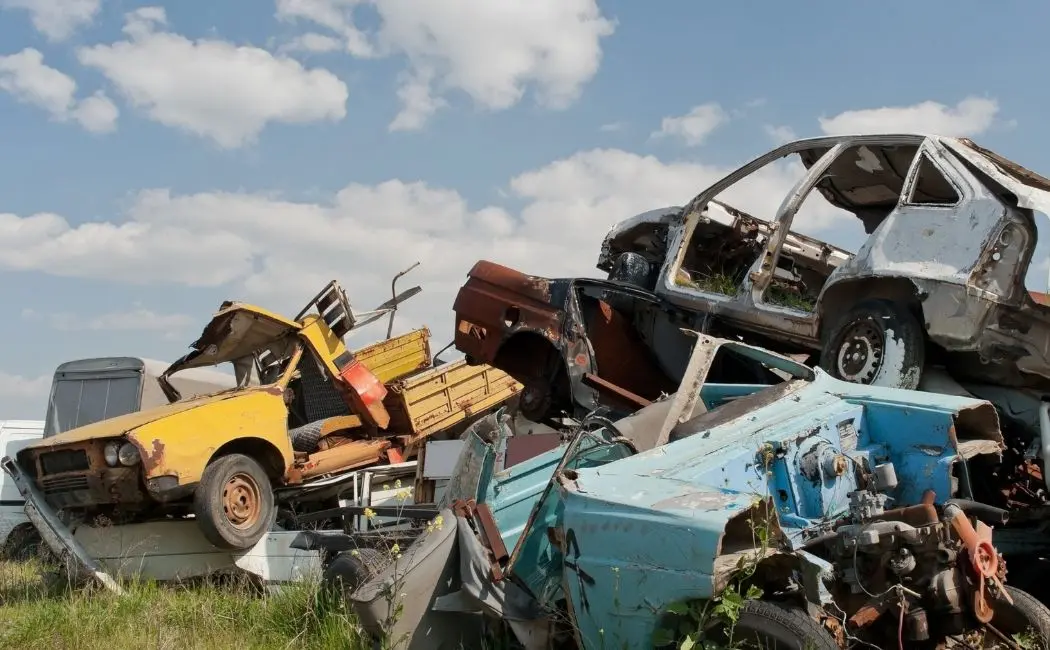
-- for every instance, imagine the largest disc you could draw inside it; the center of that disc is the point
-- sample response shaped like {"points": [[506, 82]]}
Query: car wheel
{"points": [[234, 503], [878, 343], [1026, 620], [351, 569], [767, 625]]}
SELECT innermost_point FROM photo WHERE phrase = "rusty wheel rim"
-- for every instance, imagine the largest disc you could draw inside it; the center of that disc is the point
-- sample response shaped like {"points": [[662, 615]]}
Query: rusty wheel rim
{"points": [[861, 353], [241, 501]]}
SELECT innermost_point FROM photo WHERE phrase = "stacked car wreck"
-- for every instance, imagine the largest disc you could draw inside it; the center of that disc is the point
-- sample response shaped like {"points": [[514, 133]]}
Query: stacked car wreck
{"points": [[743, 435], [934, 300]]}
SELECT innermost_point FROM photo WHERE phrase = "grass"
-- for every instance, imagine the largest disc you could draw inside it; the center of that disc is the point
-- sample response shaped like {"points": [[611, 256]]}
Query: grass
{"points": [[35, 615], [724, 284]]}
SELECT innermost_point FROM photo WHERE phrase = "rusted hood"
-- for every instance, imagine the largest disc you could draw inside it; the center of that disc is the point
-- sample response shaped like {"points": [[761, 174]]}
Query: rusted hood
{"points": [[122, 424], [235, 331]]}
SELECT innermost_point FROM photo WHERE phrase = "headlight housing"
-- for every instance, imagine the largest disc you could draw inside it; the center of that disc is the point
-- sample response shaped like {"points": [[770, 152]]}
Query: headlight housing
{"points": [[111, 452], [128, 455], [120, 452]]}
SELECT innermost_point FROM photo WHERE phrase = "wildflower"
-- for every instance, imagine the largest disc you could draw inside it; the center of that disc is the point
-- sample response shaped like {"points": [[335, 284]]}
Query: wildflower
{"points": [[397, 483], [386, 486], [355, 552], [369, 513], [395, 551], [403, 495]]}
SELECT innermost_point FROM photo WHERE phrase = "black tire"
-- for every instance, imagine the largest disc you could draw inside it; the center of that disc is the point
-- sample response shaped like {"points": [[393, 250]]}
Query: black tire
{"points": [[348, 571], [234, 503], [1026, 616], [769, 625], [306, 437], [878, 343], [23, 543]]}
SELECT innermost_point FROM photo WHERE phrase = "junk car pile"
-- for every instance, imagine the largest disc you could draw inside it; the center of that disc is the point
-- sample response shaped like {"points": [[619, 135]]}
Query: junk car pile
{"points": [[743, 436]]}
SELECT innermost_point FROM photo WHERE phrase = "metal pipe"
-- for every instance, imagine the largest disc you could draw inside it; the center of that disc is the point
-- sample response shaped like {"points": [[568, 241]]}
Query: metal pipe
{"points": [[393, 296]]}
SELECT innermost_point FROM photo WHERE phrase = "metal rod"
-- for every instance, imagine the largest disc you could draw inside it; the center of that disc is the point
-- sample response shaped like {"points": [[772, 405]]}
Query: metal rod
{"points": [[393, 295]]}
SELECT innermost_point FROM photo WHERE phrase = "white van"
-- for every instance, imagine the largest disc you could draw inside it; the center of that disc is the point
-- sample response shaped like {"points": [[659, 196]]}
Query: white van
{"points": [[14, 435]]}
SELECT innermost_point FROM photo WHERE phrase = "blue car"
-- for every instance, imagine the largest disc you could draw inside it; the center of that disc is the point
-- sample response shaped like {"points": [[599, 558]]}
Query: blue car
{"points": [[805, 513]]}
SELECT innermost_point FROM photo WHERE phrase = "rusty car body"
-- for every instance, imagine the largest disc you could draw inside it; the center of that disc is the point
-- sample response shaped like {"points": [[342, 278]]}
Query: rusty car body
{"points": [[577, 344], [951, 233], [837, 513], [220, 454]]}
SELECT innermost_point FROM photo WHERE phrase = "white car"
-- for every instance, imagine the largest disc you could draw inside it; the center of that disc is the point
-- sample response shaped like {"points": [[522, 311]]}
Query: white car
{"points": [[14, 435]]}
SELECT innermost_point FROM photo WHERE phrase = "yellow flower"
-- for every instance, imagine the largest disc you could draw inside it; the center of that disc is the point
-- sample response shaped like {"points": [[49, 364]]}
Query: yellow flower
{"points": [[403, 495], [397, 483], [355, 552], [369, 513], [395, 550]]}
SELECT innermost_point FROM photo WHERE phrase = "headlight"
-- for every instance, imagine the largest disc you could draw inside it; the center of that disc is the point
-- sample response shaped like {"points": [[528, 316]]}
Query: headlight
{"points": [[128, 454], [111, 452]]}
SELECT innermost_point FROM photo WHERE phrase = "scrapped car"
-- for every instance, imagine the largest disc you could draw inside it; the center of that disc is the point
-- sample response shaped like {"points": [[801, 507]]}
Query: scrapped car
{"points": [[814, 513], [577, 344], [304, 407], [951, 234]]}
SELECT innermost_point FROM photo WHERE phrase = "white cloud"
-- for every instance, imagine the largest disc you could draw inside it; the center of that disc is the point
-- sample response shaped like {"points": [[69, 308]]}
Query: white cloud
{"points": [[313, 42], [23, 397], [56, 19], [780, 134], [971, 116], [336, 15], [418, 103], [277, 252], [212, 88], [137, 319], [693, 127], [131, 251], [25, 76], [493, 52]]}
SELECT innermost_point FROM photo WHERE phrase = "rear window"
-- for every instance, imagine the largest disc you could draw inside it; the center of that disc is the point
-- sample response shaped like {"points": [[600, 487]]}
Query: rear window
{"points": [[79, 402]]}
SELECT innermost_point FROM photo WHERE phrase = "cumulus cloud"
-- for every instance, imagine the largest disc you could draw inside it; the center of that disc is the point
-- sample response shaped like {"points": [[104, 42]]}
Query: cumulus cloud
{"points": [[25, 76], [136, 319], [212, 88], [971, 116], [693, 127], [23, 397], [780, 134], [56, 19], [492, 52]]}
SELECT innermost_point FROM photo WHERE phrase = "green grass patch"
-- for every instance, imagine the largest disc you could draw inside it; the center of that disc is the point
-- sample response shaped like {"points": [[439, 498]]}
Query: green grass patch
{"points": [[37, 614]]}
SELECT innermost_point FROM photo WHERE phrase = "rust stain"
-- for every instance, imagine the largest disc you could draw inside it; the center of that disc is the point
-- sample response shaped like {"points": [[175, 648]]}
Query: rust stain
{"points": [[154, 457]]}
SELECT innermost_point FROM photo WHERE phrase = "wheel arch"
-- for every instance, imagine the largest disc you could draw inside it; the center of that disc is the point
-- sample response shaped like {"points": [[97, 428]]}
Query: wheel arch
{"points": [[840, 297], [528, 355], [262, 451]]}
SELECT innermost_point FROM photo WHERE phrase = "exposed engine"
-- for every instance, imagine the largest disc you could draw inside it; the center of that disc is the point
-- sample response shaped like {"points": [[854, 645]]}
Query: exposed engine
{"points": [[913, 574]]}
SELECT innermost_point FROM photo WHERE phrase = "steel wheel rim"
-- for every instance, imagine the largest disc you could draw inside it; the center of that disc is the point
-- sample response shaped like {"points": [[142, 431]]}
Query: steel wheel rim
{"points": [[241, 501], [861, 353]]}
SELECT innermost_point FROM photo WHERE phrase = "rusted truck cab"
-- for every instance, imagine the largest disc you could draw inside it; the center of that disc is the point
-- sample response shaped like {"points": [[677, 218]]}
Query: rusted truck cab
{"points": [[576, 344], [219, 455]]}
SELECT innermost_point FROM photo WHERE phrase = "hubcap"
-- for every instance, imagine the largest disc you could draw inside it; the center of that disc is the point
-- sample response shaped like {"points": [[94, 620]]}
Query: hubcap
{"points": [[861, 353], [241, 501]]}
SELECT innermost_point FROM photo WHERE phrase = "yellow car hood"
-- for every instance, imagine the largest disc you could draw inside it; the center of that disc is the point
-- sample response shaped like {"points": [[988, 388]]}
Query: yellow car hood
{"points": [[122, 424]]}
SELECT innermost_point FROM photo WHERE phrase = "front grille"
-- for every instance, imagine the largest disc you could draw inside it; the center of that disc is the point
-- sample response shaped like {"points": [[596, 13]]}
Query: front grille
{"points": [[66, 460], [62, 484]]}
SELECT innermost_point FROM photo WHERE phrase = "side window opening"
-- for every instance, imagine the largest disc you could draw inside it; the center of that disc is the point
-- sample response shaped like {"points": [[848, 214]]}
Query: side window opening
{"points": [[931, 186]]}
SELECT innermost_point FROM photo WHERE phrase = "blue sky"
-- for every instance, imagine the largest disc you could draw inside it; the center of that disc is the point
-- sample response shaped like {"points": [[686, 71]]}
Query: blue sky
{"points": [[163, 157]]}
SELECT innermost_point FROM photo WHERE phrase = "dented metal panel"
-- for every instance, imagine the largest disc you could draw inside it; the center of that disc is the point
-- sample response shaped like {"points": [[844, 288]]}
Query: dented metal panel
{"points": [[444, 396], [396, 357]]}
